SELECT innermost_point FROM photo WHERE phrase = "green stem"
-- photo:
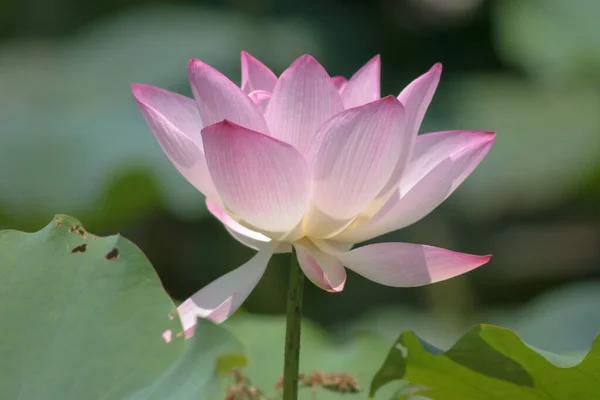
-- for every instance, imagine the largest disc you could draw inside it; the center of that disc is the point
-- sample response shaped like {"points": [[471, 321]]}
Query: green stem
{"points": [[291, 361]]}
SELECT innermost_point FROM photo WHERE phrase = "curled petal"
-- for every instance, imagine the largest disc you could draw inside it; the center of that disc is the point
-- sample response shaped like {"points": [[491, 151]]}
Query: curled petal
{"points": [[261, 98], [407, 264], [303, 98], [262, 180], [364, 86], [255, 75], [246, 236], [320, 268], [221, 298], [441, 162], [351, 160], [218, 99], [176, 124]]}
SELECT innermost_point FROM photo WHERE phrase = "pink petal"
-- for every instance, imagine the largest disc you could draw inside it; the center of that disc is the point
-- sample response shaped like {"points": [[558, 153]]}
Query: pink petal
{"points": [[246, 236], [441, 162], [320, 268], [407, 264], [218, 99], [261, 98], [415, 98], [176, 124], [255, 75], [221, 298], [303, 99], [364, 86], [262, 180], [340, 82], [351, 160]]}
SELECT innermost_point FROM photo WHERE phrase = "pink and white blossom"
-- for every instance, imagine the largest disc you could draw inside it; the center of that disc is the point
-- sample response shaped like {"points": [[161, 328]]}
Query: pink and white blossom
{"points": [[316, 163]]}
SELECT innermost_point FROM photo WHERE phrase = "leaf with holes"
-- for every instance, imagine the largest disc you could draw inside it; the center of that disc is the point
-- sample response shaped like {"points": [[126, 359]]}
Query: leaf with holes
{"points": [[84, 317], [488, 363]]}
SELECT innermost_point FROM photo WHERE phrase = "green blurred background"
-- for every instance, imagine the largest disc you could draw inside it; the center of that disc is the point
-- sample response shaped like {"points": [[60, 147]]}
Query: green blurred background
{"points": [[73, 141]]}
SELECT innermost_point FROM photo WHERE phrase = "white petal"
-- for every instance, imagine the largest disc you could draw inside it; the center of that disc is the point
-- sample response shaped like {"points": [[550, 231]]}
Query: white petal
{"points": [[466, 147], [320, 268], [441, 162], [254, 240], [221, 298], [304, 97], [364, 86], [255, 75], [416, 98], [176, 124], [351, 160], [407, 264], [218, 99], [262, 180]]}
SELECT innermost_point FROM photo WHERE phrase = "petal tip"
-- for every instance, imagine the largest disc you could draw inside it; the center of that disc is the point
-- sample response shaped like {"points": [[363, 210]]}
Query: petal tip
{"points": [[437, 67], [478, 261], [390, 99], [491, 135], [217, 126], [246, 57], [485, 137], [194, 63], [145, 93], [140, 89], [137, 86], [338, 288], [137, 89], [305, 59], [376, 59]]}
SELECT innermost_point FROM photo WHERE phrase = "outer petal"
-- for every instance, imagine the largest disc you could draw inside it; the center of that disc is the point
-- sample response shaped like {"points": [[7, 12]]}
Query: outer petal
{"points": [[255, 75], [176, 123], [260, 179], [430, 149], [304, 97], [246, 236], [221, 298], [218, 99], [325, 271], [340, 82], [415, 98], [364, 86], [441, 162], [407, 264], [351, 160]]}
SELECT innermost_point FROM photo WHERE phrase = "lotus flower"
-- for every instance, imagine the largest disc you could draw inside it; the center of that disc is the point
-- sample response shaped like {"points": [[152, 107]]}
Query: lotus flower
{"points": [[317, 163]]}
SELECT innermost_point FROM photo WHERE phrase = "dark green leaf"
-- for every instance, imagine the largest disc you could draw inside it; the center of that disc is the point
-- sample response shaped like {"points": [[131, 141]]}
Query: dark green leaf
{"points": [[488, 363]]}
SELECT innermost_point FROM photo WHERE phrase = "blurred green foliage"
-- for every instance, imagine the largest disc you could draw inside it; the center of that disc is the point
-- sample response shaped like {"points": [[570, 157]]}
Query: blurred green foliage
{"points": [[73, 141]]}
